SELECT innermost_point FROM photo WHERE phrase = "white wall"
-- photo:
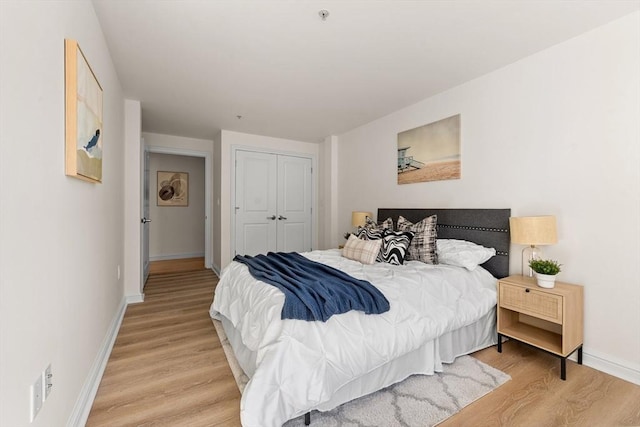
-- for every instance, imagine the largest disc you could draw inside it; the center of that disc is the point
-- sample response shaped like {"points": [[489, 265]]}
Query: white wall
{"points": [[216, 196], [133, 164], [328, 193], [556, 133], [226, 142], [176, 231], [61, 238], [177, 142]]}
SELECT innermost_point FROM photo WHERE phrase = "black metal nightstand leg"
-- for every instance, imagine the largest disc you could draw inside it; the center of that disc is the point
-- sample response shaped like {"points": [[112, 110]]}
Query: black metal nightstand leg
{"points": [[307, 418], [580, 355], [563, 368], [499, 343]]}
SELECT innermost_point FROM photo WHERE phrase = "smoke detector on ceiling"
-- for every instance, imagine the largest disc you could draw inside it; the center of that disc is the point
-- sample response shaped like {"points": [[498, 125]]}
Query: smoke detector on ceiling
{"points": [[323, 14]]}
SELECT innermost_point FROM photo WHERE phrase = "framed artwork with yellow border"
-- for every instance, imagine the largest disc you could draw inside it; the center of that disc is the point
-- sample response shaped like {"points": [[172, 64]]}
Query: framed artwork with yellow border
{"points": [[83, 117]]}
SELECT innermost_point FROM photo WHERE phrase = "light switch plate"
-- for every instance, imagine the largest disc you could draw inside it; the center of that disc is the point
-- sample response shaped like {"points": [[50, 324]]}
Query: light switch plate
{"points": [[47, 382], [35, 398]]}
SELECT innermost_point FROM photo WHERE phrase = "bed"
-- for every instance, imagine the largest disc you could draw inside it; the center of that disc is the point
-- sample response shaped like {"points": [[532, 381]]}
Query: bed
{"points": [[438, 312]]}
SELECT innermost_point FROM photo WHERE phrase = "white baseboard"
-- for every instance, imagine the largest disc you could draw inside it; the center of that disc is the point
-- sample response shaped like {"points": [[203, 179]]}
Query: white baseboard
{"points": [[176, 256], [84, 402], [606, 363], [215, 269], [134, 299]]}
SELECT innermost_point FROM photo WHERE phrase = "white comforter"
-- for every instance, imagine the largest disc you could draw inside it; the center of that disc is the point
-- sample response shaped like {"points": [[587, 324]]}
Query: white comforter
{"points": [[300, 364]]}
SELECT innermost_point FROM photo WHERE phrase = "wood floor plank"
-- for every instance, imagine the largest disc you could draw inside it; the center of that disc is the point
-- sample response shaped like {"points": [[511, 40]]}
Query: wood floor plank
{"points": [[167, 368], [173, 265]]}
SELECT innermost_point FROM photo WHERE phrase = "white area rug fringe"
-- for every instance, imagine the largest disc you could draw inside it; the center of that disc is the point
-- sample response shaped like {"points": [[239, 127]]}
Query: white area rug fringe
{"points": [[418, 401]]}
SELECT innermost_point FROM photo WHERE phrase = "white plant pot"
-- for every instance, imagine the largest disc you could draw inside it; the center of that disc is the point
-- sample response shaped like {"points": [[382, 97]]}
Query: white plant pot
{"points": [[546, 280]]}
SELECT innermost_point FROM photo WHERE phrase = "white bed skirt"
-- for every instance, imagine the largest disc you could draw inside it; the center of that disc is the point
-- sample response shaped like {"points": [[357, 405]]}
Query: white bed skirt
{"points": [[425, 360]]}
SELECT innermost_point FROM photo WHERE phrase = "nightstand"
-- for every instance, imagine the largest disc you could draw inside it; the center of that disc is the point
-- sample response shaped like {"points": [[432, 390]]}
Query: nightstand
{"points": [[549, 319]]}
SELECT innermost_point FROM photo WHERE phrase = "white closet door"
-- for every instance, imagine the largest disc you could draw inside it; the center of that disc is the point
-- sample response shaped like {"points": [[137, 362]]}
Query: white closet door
{"points": [[256, 204], [294, 204]]}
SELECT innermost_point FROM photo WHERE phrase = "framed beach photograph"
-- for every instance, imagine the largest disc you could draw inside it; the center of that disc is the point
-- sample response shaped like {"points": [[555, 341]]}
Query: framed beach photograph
{"points": [[430, 152], [83, 117], [173, 189]]}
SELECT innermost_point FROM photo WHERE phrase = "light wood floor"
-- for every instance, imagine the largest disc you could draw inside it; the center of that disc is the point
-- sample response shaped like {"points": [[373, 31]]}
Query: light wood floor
{"points": [[176, 265], [167, 368]]}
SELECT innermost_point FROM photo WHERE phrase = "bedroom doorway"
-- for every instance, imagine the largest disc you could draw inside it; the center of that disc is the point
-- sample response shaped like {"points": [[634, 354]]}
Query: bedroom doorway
{"points": [[149, 182]]}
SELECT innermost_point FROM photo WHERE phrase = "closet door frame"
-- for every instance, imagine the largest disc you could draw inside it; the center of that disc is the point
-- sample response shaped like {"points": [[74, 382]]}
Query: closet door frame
{"points": [[314, 190]]}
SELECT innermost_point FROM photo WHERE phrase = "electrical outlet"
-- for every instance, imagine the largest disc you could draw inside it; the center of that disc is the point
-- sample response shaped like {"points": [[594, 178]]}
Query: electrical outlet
{"points": [[47, 382], [36, 398]]}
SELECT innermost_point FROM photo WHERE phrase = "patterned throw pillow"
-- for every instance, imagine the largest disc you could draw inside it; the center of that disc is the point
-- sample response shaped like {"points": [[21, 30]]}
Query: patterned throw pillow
{"points": [[370, 224], [394, 246], [423, 246], [364, 251], [369, 234]]}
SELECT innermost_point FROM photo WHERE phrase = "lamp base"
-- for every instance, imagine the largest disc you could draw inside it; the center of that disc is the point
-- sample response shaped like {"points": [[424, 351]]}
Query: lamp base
{"points": [[529, 253]]}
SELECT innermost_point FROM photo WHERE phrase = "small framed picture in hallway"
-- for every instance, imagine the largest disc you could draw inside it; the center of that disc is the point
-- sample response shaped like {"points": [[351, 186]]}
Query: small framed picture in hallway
{"points": [[173, 189]]}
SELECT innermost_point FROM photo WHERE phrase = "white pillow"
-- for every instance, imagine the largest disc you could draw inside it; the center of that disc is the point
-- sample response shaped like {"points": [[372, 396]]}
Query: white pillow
{"points": [[365, 251], [462, 253]]}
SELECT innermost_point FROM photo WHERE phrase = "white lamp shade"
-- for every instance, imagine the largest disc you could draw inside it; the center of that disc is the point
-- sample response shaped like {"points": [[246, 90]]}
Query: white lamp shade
{"points": [[358, 219], [533, 230]]}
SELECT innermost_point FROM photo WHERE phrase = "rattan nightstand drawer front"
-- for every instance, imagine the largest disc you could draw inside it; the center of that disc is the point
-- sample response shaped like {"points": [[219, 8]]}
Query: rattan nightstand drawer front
{"points": [[529, 301]]}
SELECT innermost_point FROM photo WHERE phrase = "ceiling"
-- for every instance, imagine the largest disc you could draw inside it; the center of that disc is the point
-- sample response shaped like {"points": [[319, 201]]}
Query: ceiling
{"points": [[276, 68]]}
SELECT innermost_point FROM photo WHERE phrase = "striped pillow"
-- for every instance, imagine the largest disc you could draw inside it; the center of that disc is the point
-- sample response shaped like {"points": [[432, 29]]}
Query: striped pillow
{"points": [[423, 246], [369, 234], [370, 224], [364, 251], [394, 246]]}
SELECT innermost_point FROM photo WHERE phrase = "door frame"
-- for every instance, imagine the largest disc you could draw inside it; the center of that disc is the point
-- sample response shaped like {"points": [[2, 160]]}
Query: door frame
{"points": [[146, 196], [208, 183], [232, 196]]}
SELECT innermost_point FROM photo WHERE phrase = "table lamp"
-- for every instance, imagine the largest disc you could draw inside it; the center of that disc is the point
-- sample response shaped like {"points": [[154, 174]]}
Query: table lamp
{"points": [[532, 231], [359, 219]]}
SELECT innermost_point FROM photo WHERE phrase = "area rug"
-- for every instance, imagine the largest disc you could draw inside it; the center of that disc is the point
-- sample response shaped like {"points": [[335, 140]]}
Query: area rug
{"points": [[418, 401]]}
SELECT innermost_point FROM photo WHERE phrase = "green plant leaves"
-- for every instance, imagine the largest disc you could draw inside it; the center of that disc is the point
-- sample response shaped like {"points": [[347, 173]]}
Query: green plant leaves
{"points": [[545, 266]]}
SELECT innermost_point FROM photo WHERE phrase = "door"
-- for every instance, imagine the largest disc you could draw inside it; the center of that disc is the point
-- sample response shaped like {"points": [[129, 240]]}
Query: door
{"points": [[294, 204], [145, 220], [273, 203], [256, 203]]}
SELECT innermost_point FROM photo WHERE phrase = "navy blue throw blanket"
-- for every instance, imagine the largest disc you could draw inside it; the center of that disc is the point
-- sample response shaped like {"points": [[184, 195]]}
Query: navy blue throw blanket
{"points": [[313, 291]]}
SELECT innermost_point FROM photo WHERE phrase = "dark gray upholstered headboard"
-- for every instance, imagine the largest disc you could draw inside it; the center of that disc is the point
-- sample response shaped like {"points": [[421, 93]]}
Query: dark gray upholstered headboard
{"points": [[486, 227]]}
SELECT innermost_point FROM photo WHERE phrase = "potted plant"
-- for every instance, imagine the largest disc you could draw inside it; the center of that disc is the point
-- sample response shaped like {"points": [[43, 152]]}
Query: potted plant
{"points": [[546, 271]]}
